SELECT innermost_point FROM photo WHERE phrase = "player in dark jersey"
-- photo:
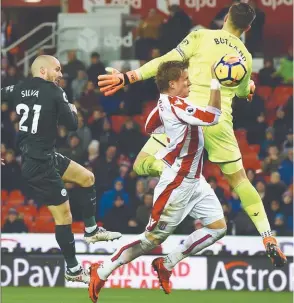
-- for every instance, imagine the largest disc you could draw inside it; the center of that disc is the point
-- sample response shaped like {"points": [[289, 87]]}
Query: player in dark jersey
{"points": [[41, 105]]}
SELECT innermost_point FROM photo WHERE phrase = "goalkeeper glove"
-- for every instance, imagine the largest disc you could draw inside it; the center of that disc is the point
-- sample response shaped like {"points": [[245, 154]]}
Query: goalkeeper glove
{"points": [[252, 90], [111, 83]]}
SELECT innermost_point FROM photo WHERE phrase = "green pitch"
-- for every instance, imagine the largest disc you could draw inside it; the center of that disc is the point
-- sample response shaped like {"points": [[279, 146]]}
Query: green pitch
{"points": [[69, 295]]}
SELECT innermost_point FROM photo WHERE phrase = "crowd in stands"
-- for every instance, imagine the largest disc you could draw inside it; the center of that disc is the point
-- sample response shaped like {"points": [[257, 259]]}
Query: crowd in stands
{"points": [[109, 136], [154, 31], [284, 75], [111, 133]]}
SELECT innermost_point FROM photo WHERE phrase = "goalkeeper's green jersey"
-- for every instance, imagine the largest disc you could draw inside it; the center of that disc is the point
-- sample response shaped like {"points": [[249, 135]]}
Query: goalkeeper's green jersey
{"points": [[202, 48]]}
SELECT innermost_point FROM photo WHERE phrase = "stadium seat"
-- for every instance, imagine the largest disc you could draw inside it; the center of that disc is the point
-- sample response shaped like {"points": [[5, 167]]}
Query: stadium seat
{"points": [[44, 215], [211, 169], [48, 228], [14, 203], [140, 119], [4, 211], [222, 182], [44, 227], [4, 208], [241, 133], [117, 122], [267, 178], [78, 227], [270, 105], [264, 92], [4, 196], [28, 210], [279, 97], [148, 107], [282, 94], [15, 198], [249, 149], [270, 116], [244, 147], [28, 219], [251, 161], [241, 136], [255, 148], [31, 225], [43, 220]]}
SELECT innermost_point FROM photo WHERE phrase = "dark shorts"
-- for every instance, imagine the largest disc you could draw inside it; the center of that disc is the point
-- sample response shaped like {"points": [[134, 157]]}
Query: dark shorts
{"points": [[44, 179]]}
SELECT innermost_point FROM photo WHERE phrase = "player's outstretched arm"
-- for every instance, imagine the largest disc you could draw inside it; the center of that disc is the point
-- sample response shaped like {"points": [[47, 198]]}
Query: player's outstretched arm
{"points": [[247, 87], [111, 83], [194, 115], [184, 51], [198, 116], [215, 95]]}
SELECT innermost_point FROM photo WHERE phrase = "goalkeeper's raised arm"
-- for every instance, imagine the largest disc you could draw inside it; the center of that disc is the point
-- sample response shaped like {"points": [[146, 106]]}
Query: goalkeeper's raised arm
{"points": [[111, 83]]}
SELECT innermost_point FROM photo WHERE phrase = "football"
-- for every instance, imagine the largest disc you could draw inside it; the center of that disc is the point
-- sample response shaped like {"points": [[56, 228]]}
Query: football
{"points": [[230, 70]]}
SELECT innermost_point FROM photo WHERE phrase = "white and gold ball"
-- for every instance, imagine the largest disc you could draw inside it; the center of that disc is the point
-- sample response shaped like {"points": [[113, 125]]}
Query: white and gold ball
{"points": [[230, 70]]}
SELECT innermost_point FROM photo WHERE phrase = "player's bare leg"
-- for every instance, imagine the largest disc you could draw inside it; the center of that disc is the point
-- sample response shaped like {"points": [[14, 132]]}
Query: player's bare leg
{"points": [[65, 239], [100, 272], [254, 208], [195, 242], [75, 173], [148, 241]]}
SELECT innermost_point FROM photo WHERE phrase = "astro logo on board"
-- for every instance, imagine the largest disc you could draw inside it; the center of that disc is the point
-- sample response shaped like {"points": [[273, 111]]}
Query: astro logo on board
{"points": [[253, 274]]}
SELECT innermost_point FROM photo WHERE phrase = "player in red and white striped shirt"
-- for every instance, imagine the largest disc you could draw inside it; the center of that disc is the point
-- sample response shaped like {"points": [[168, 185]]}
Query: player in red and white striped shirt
{"points": [[182, 190], [182, 124]]}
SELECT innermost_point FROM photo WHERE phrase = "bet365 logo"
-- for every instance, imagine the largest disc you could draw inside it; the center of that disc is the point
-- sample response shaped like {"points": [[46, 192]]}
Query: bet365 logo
{"points": [[275, 3]]}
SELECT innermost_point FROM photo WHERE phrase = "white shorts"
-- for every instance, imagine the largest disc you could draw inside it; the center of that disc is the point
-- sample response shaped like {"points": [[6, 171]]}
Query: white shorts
{"points": [[175, 197]]}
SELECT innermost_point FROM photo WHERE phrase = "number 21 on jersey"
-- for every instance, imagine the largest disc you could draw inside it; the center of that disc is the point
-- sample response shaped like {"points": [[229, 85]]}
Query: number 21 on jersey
{"points": [[23, 109]]}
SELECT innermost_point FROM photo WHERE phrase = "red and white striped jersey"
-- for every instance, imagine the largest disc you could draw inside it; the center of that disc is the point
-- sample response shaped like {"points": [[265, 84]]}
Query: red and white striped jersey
{"points": [[180, 121]]}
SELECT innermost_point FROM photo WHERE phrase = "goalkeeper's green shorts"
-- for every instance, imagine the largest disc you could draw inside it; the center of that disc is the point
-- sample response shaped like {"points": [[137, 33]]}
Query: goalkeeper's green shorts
{"points": [[219, 141]]}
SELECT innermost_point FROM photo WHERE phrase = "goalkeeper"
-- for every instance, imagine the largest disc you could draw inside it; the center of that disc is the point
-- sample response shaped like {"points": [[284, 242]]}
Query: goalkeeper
{"points": [[202, 48]]}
